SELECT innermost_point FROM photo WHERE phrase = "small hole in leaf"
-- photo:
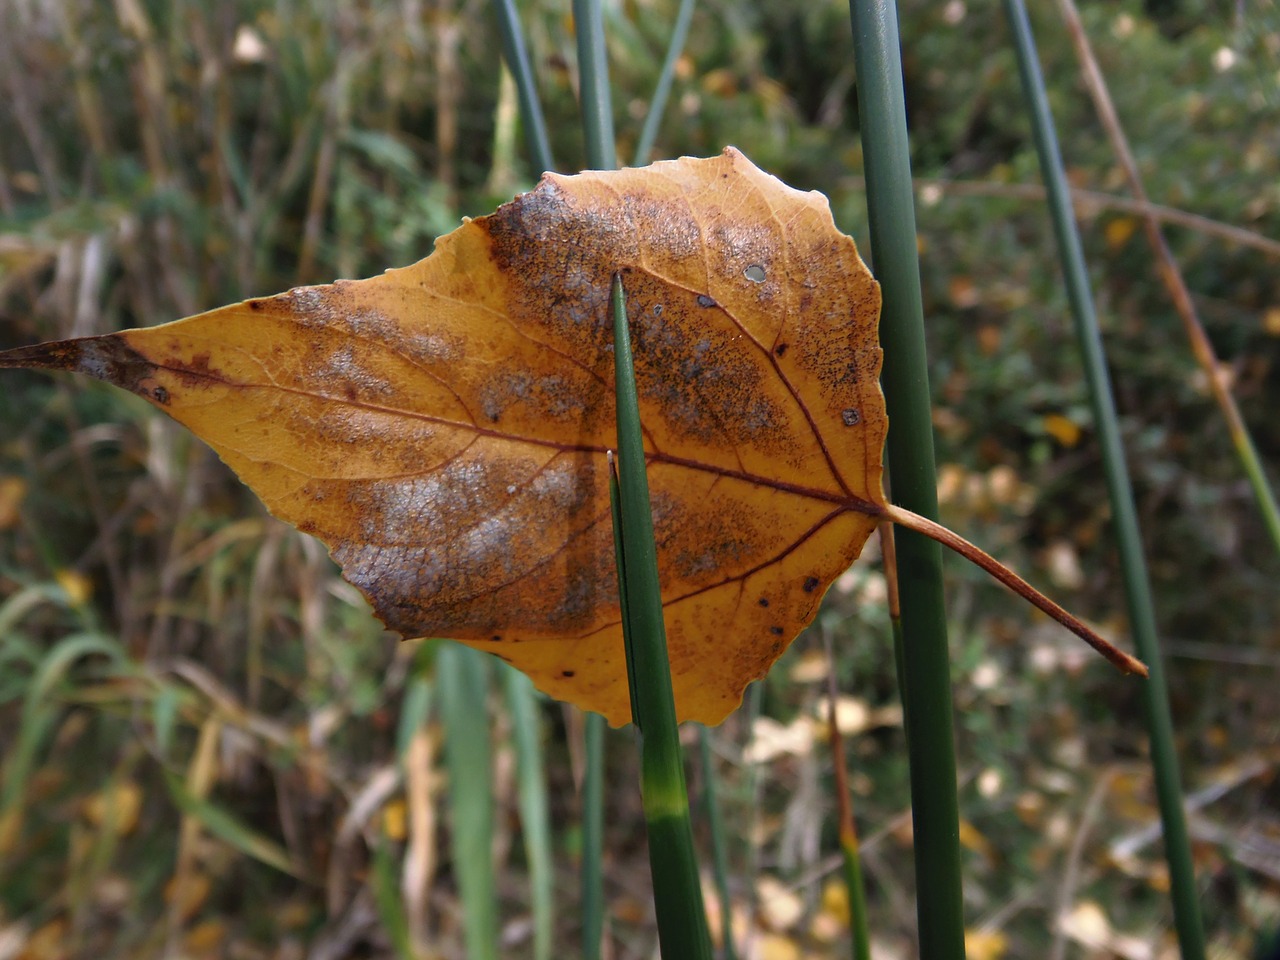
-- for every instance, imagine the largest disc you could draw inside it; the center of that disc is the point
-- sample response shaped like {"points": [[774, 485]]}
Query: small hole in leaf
{"points": [[810, 584], [763, 601], [705, 301], [657, 309], [776, 631], [850, 417], [754, 273], [160, 395]]}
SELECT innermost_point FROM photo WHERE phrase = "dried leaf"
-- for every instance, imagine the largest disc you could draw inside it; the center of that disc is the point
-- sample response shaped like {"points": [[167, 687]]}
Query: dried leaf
{"points": [[115, 807], [12, 492], [442, 427]]}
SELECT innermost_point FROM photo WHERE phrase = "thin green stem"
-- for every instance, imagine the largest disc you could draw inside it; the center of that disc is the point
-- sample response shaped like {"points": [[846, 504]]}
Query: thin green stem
{"points": [[593, 838], [719, 858], [597, 124], [593, 70], [463, 682], [850, 854], [926, 672], [535, 819], [677, 891], [517, 56], [1186, 903], [658, 105]]}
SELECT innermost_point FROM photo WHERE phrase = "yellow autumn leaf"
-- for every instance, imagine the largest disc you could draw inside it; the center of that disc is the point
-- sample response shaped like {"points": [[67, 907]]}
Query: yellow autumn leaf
{"points": [[12, 492], [1063, 429], [1119, 230], [443, 428], [115, 807]]}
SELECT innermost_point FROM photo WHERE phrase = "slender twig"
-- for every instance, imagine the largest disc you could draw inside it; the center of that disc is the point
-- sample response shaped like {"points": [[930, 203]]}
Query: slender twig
{"points": [[1171, 275], [1070, 882], [889, 560], [1090, 201]]}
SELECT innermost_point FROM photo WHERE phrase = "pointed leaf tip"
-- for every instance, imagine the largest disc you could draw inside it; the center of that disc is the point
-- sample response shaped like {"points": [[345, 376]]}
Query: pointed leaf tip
{"points": [[108, 358]]}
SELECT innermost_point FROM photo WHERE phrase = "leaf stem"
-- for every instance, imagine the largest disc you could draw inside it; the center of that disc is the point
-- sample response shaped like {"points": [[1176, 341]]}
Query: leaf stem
{"points": [[975, 554]]}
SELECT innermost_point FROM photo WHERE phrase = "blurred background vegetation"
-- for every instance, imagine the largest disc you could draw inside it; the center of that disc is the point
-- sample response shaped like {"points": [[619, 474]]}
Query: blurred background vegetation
{"points": [[210, 749]]}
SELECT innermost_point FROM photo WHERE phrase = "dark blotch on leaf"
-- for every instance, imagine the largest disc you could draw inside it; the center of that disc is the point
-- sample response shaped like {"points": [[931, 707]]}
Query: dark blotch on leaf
{"points": [[763, 601], [566, 673], [776, 631], [780, 349], [810, 584]]}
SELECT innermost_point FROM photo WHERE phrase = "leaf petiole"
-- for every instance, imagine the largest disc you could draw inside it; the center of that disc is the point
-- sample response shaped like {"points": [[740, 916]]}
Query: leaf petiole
{"points": [[953, 541]]}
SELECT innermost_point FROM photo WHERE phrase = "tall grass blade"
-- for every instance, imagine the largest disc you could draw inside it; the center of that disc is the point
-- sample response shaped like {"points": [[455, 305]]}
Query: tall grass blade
{"points": [[535, 821], [597, 128], [517, 56], [662, 90], [1155, 697], [386, 901], [415, 707], [677, 891], [593, 69], [592, 905], [925, 676], [850, 854], [230, 828], [463, 685], [719, 849], [39, 716]]}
